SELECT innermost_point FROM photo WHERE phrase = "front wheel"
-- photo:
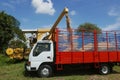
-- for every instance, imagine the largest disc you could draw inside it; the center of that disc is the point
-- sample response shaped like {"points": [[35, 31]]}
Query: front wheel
{"points": [[104, 69], [45, 71]]}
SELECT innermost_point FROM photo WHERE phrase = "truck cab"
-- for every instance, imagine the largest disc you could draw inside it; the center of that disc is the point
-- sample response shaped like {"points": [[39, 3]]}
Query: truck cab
{"points": [[40, 56]]}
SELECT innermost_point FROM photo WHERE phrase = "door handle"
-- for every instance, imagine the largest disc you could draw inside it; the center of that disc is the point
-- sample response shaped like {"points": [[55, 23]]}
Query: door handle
{"points": [[48, 57]]}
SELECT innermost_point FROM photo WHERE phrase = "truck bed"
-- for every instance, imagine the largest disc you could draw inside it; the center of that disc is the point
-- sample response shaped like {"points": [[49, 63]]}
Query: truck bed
{"points": [[82, 47], [87, 57]]}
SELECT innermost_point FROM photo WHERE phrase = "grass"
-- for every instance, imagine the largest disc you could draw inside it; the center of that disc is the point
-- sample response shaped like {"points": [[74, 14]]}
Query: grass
{"points": [[15, 71]]}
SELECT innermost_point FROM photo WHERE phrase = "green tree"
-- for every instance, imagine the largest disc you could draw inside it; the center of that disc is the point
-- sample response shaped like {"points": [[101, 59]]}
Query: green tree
{"points": [[9, 27], [89, 27]]}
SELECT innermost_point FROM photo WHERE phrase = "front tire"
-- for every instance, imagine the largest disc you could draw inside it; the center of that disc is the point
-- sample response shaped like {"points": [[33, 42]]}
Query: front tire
{"points": [[45, 71], [104, 69]]}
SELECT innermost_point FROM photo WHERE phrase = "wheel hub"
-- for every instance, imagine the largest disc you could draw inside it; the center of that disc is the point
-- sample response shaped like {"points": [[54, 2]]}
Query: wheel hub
{"points": [[45, 71], [105, 69]]}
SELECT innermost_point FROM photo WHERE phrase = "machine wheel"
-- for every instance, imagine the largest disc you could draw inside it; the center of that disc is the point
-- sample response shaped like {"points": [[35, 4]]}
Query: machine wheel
{"points": [[45, 71], [104, 69]]}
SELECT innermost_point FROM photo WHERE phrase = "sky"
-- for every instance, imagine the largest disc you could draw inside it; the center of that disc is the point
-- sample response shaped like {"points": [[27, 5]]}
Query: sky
{"points": [[35, 14]]}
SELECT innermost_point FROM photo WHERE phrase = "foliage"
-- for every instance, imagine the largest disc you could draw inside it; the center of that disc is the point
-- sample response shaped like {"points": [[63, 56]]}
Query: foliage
{"points": [[9, 27], [3, 60], [89, 27], [16, 43]]}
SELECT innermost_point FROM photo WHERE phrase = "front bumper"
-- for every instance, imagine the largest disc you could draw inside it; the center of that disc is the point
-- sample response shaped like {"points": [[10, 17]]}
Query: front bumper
{"points": [[29, 68]]}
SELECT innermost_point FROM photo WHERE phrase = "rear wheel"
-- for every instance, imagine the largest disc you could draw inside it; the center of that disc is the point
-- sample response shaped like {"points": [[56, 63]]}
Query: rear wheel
{"points": [[45, 71], [104, 69]]}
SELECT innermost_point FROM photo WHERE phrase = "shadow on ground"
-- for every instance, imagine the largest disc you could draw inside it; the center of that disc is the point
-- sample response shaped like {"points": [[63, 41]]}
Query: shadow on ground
{"points": [[70, 72]]}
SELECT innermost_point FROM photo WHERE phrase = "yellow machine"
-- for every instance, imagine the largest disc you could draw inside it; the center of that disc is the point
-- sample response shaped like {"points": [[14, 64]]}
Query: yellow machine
{"points": [[19, 53], [17, 49], [39, 33]]}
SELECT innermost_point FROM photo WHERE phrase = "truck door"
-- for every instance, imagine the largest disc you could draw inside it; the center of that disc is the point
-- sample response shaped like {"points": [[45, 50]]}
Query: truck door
{"points": [[43, 53]]}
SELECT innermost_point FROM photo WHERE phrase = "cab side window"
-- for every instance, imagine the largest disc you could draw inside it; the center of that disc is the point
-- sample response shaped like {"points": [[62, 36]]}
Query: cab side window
{"points": [[41, 47]]}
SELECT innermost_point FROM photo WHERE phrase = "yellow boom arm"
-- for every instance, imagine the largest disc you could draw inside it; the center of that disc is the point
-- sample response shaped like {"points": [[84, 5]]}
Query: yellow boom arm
{"points": [[52, 30]]}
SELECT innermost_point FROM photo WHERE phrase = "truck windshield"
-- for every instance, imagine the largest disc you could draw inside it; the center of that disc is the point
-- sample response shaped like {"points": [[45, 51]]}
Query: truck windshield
{"points": [[40, 47]]}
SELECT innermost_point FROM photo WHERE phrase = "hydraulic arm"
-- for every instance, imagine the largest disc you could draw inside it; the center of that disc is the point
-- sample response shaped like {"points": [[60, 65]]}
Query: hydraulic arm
{"points": [[52, 30]]}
